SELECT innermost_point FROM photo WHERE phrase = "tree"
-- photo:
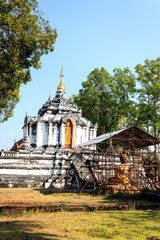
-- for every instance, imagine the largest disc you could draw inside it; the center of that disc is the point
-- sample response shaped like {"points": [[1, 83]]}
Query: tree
{"points": [[24, 37], [149, 95], [105, 99], [124, 90]]}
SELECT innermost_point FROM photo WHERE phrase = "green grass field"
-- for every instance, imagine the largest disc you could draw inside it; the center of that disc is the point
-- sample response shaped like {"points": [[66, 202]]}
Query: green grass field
{"points": [[116, 225]]}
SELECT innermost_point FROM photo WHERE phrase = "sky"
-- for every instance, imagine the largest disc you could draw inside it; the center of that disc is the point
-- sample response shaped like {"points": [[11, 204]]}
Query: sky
{"points": [[91, 34]]}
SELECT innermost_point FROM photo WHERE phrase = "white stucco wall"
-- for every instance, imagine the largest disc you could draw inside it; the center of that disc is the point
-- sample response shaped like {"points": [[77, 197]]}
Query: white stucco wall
{"points": [[54, 134], [62, 134], [79, 134], [25, 172], [44, 134]]}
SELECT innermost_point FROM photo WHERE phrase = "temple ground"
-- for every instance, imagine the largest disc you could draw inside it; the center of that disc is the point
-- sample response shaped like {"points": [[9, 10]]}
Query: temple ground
{"points": [[118, 225], [42, 197], [19, 222]]}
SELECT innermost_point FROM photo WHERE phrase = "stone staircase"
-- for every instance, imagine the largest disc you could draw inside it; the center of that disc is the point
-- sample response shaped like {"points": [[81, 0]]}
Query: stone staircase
{"points": [[83, 172]]}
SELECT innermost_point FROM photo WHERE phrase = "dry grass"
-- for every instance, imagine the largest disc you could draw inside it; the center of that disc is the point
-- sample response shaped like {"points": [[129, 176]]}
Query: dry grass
{"points": [[28, 197], [47, 198], [118, 225]]}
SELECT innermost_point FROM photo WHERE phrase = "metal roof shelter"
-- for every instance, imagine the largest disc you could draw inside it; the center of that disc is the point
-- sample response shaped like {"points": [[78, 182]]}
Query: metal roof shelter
{"points": [[99, 168], [130, 138]]}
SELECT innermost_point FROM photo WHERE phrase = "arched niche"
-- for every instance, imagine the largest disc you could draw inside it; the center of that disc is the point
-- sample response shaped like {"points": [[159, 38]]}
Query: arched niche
{"points": [[71, 128]]}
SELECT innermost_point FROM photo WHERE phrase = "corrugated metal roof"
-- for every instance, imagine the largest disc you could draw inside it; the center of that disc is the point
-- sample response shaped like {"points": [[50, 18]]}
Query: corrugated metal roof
{"points": [[130, 138], [99, 139]]}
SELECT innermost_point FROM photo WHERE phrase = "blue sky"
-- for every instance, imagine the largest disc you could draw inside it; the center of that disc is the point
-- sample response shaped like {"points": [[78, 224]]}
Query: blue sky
{"points": [[91, 34]]}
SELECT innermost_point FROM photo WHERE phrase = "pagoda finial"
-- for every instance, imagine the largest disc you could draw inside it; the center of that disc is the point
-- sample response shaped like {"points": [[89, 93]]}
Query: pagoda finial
{"points": [[25, 120], [61, 85], [49, 95]]}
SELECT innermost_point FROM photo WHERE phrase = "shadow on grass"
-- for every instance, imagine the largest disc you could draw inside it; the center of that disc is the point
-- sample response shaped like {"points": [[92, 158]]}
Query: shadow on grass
{"points": [[22, 230], [126, 198], [115, 198], [57, 190], [47, 191]]}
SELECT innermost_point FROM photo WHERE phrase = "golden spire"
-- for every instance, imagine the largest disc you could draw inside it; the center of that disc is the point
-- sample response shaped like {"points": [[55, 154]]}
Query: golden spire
{"points": [[61, 85]]}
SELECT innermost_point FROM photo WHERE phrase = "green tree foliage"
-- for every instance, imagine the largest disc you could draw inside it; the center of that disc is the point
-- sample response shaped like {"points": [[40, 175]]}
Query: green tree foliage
{"points": [[105, 99], [24, 37], [149, 95], [124, 91]]}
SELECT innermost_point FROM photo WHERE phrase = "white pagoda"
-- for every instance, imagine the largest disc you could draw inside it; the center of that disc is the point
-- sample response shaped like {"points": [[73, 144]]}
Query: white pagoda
{"points": [[42, 155], [59, 123]]}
